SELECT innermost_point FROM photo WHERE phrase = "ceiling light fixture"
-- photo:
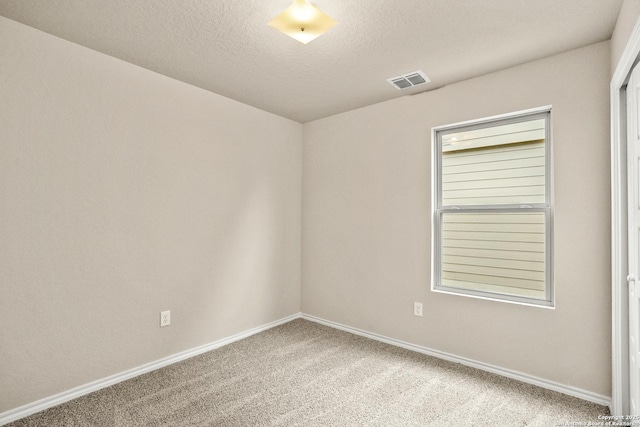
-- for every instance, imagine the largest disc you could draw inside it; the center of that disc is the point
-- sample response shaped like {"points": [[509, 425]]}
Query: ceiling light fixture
{"points": [[303, 21]]}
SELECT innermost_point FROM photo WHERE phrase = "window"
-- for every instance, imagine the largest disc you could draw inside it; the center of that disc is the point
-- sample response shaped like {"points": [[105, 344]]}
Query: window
{"points": [[492, 212]]}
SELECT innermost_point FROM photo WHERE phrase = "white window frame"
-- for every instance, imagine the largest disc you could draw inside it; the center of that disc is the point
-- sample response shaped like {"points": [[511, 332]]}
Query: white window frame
{"points": [[438, 209]]}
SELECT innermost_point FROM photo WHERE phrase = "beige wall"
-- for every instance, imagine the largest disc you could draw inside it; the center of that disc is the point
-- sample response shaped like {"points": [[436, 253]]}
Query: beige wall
{"points": [[366, 230], [124, 193], [627, 18]]}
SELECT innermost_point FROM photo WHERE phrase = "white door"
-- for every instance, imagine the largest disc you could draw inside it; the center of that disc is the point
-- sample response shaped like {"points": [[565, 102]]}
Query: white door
{"points": [[633, 191]]}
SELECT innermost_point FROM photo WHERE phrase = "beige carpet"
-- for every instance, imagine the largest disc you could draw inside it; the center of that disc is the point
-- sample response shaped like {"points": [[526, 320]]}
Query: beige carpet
{"points": [[305, 374]]}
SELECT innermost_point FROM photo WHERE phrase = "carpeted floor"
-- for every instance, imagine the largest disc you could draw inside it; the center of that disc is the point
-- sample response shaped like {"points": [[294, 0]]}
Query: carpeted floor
{"points": [[305, 374]]}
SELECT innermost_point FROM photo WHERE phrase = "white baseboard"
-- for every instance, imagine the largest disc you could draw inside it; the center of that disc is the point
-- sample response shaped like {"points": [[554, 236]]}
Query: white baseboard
{"points": [[525, 378], [49, 402]]}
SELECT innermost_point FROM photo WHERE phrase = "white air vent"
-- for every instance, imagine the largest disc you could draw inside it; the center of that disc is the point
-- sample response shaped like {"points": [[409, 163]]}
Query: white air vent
{"points": [[409, 80]]}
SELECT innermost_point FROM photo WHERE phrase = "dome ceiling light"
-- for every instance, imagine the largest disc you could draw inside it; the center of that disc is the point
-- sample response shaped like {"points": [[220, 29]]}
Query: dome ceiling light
{"points": [[303, 21]]}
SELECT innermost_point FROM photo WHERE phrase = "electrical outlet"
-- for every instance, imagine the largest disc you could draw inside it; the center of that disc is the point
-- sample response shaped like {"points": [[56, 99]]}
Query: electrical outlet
{"points": [[165, 318], [417, 309]]}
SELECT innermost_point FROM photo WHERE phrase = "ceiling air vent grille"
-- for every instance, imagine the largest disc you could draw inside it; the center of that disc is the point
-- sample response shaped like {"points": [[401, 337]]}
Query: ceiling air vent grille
{"points": [[409, 80]]}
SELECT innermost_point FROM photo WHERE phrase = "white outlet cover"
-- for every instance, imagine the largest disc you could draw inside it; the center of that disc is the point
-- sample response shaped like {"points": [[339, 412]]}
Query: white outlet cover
{"points": [[165, 318], [417, 309]]}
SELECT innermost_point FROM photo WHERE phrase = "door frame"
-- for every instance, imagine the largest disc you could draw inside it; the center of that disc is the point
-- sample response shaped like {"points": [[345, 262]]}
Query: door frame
{"points": [[619, 292]]}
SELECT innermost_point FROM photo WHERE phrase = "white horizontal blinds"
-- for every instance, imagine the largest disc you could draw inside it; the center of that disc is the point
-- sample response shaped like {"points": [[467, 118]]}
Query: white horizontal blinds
{"points": [[494, 252], [496, 165]]}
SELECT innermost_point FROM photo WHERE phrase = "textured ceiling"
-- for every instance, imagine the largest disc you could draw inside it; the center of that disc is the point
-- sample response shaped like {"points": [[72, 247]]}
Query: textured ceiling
{"points": [[226, 46]]}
